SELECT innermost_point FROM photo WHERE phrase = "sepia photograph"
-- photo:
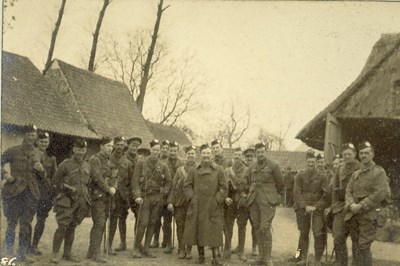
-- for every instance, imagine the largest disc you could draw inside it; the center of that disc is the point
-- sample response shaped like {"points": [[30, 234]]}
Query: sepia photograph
{"points": [[200, 132]]}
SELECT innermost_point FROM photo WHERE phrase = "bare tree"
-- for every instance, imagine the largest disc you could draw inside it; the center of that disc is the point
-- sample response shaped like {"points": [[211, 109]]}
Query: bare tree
{"points": [[126, 61], [149, 60], [177, 97], [283, 130], [270, 140], [54, 36], [7, 17], [91, 66]]}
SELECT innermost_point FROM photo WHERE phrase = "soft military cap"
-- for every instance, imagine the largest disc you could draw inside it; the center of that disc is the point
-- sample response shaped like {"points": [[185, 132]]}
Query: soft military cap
{"points": [[80, 143], [189, 148], [320, 156], [30, 129], [348, 146], [43, 135], [204, 146], [139, 140], [165, 142], [249, 150], [310, 154], [105, 140], [364, 145], [119, 139], [215, 142], [259, 145], [154, 142], [173, 144]]}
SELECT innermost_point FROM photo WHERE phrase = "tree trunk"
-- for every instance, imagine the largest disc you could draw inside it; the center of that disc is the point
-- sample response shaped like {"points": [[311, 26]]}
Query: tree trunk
{"points": [[96, 35], [54, 36], [147, 65]]}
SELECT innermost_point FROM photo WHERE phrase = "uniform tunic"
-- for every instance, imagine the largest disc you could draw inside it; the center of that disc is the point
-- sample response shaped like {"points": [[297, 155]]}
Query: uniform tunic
{"points": [[265, 189], [206, 189], [311, 189], [368, 186], [21, 196], [238, 188]]}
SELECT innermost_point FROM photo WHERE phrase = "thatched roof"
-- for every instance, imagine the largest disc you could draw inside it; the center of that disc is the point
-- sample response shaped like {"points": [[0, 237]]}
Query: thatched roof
{"points": [[27, 98], [105, 104], [369, 96], [171, 133]]}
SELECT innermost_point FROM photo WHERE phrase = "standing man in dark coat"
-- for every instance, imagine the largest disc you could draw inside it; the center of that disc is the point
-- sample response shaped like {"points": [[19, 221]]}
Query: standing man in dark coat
{"points": [[367, 189], [206, 190], [46, 189], [310, 194], [124, 172], [339, 184], [266, 187], [289, 184], [71, 181], [180, 205], [236, 204], [173, 163], [156, 238], [132, 155], [100, 190], [150, 183], [20, 193]]}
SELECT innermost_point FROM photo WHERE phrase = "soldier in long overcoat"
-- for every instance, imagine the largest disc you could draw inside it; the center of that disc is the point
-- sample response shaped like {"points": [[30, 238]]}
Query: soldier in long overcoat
{"points": [[206, 190]]}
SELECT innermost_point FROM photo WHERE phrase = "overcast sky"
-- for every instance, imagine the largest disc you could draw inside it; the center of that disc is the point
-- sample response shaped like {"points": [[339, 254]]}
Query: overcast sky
{"points": [[286, 60]]}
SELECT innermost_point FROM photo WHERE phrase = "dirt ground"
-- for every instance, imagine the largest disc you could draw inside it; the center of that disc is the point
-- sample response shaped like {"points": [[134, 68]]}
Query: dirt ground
{"points": [[285, 236]]}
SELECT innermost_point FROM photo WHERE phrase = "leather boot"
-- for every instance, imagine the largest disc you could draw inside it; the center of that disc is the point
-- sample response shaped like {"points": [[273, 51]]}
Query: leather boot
{"points": [[188, 253], [201, 258], [215, 259], [168, 249], [155, 243]]}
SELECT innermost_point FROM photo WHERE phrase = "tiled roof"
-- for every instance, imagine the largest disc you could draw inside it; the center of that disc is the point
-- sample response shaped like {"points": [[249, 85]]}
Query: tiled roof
{"points": [[105, 104], [294, 159], [28, 99], [163, 132]]}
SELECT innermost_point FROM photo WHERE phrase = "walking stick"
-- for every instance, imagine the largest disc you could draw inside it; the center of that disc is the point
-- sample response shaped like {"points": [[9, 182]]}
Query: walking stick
{"points": [[309, 237], [326, 246], [333, 252], [173, 230]]}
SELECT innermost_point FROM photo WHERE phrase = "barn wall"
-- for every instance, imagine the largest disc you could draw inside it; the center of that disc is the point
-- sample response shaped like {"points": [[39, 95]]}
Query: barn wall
{"points": [[379, 96]]}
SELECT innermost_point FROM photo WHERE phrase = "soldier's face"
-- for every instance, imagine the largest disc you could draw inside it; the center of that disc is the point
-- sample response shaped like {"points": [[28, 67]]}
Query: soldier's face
{"points": [[190, 156], [238, 156], [164, 149], [107, 148], [335, 163], [217, 149], [173, 151], [206, 155], [133, 147], [30, 138], [261, 153], [79, 153], [249, 158], [311, 162], [155, 151], [119, 146], [43, 144], [321, 163], [348, 155], [366, 155]]}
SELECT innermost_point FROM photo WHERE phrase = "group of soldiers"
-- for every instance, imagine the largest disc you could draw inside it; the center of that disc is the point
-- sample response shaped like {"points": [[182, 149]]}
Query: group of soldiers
{"points": [[205, 196]]}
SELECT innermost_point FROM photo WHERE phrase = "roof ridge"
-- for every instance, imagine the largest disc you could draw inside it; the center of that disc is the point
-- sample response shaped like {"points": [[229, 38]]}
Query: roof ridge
{"points": [[89, 73], [90, 127]]}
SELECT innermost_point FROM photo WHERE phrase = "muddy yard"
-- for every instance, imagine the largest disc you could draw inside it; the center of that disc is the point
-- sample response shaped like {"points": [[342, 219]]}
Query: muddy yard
{"points": [[285, 236]]}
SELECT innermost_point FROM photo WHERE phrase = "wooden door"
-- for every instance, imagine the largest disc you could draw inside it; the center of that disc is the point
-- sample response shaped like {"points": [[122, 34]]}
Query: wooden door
{"points": [[333, 138]]}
